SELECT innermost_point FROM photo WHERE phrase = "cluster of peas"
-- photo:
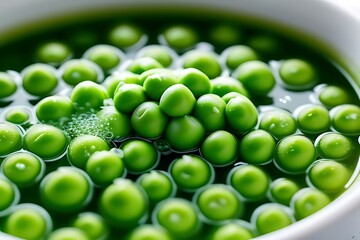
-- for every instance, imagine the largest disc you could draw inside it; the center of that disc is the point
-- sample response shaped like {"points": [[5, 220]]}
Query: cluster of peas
{"points": [[157, 146]]}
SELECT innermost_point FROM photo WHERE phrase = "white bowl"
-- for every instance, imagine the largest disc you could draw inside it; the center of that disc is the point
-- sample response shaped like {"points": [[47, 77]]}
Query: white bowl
{"points": [[324, 21]]}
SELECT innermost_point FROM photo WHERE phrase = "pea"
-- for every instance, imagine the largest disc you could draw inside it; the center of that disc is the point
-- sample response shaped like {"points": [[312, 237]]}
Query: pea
{"points": [[54, 108], [82, 147], [112, 81], [265, 44], [220, 148], [346, 119], [332, 96], [282, 190], [139, 156], [158, 185], [335, 146], [125, 35], [177, 101], [271, 217], [225, 34], [307, 201], [28, 221], [103, 167], [294, 154], [278, 122], [257, 147], [128, 97], [162, 71], [105, 56], [76, 71], [256, 77], [68, 233], [133, 208], [218, 203], [39, 79], [224, 85], [143, 64], [251, 182], [66, 190], [92, 224], [149, 232], [164, 55], [184, 133], [206, 62], [10, 195], [53, 53], [10, 137], [239, 230], [197, 81], [313, 119], [210, 110], [148, 120], [235, 55], [180, 37], [18, 115], [297, 74], [114, 122], [178, 216], [7, 85], [241, 114], [88, 95], [156, 84], [228, 96], [191, 172]]}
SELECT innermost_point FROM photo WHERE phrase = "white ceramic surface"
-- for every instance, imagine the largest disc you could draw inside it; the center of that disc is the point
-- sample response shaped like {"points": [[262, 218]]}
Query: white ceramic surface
{"points": [[328, 21]]}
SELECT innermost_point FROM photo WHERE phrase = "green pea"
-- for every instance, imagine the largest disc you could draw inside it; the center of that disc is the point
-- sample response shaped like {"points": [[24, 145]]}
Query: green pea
{"points": [[346, 119], [133, 208], [328, 176], [88, 95], [66, 190], [278, 122], [220, 148], [164, 55], [238, 230], [218, 203], [241, 114], [206, 62], [313, 119], [178, 216], [114, 122], [224, 85], [294, 154], [180, 37], [191, 172], [10, 138], [54, 108], [92, 224], [184, 133], [332, 96], [139, 155], [257, 147], [177, 101], [143, 64], [9, 193], [18, 115], [158, 185], [271, 217], [210, 110], [297, 74], [76, 71], [28, 221], [250, 181], [307, 201], [39, 79], [156, 84], [7, 85], [265, 44], [282, 190], [256, 77], [53, 53], [149, 232], [103, 167], [228, 96], [125, 35], [148, 120], [153, 71], [115, 78], [105, 56], [128, 97], [68, 233], [238, 54], [198, 83], [334, 146], [225, 34], [82, 147]]}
